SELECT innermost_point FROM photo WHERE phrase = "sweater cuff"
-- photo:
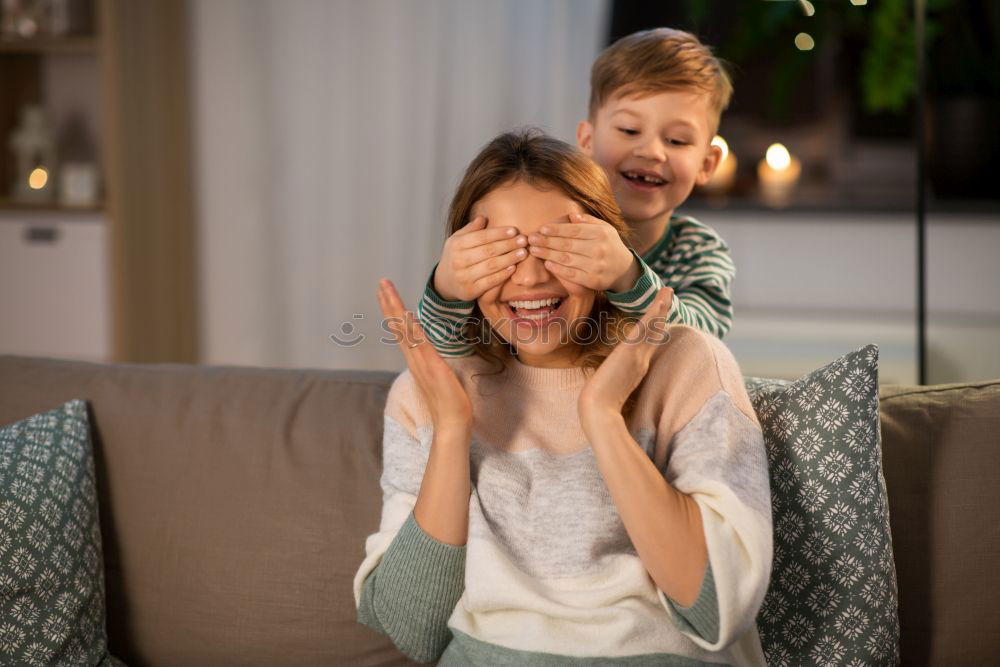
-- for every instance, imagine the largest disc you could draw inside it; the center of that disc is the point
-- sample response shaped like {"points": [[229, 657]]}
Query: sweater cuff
{"points": [[702, 617], [440, 301], [637, 299], [412, 593]]}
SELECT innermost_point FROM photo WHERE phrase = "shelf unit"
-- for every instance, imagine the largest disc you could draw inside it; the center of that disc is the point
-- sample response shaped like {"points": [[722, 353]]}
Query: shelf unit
{"points": [[48, 45], [127, 83]]}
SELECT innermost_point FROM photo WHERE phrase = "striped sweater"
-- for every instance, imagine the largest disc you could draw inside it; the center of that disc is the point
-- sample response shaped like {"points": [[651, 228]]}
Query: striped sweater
{"points": [[549, 575], [690, 257]]}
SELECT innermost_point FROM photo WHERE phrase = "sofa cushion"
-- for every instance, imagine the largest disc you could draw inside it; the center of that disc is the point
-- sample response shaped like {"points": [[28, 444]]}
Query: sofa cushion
{"points": [[832, 597], [941, 453], [51, 567]]}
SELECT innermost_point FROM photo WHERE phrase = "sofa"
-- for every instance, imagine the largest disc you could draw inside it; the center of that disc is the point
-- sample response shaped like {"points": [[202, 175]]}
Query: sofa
{"points": [[234, 503]]}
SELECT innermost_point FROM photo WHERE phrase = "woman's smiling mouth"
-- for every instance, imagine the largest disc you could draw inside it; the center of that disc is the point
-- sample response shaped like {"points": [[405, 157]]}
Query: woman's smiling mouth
{"points": [[533, 312]]}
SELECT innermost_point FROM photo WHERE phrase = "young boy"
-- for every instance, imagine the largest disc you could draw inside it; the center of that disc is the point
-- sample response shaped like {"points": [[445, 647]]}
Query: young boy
{"points": [[656, 97]]}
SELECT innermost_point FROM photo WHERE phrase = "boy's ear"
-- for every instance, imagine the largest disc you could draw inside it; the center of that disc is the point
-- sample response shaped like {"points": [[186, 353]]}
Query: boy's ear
{"points": [[708, 166], [585, 137]]}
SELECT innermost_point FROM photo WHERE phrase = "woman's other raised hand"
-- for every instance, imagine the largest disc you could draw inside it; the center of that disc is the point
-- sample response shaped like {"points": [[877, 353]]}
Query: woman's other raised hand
{"points": [[446, 399], [606, 391]]}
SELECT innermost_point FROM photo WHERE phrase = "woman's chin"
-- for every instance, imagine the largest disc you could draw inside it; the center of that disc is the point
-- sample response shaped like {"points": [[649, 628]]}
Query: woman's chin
{"points": [[546, 355]]}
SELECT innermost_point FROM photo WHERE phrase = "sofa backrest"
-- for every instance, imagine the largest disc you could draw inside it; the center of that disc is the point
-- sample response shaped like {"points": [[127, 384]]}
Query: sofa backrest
{"points": [[941, 460], [234, 505]]}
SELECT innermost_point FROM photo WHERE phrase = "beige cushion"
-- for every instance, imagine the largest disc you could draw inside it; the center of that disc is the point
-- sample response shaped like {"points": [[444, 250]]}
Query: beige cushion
{"points": [[941, 458]]}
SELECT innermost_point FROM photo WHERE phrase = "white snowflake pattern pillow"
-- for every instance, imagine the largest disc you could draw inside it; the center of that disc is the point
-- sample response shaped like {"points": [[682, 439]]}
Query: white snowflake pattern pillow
{"points": [[832, 598], [51, 564]]}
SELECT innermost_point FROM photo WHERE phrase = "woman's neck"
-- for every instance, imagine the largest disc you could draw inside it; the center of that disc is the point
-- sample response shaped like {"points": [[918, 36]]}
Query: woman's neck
{"points": [[544, 377], [565, 356]]}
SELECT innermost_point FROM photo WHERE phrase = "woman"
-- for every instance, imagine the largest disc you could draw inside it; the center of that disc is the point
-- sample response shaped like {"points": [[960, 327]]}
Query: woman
{"points": [[580, 490]]}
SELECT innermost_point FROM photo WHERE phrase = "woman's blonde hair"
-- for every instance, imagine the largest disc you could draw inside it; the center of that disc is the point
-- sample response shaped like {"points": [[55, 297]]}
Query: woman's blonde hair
{"points": [[529, 155]]}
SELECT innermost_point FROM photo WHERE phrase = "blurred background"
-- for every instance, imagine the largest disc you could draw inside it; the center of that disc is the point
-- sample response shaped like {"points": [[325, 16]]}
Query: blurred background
{"points": [[224, 181]]}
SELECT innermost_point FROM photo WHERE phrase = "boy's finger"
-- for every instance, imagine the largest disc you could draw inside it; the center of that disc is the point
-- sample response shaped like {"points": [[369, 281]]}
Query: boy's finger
{"points": [[586, 218], [568, 259], [481, 236], [571, 230], [567, 272], [474, 225], [504, 262], [489, 250], [491, 280], [576, 246]]}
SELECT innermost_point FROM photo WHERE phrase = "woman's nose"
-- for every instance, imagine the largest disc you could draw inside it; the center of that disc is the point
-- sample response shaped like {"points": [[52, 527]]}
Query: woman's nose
{"points": [[530, 271]]}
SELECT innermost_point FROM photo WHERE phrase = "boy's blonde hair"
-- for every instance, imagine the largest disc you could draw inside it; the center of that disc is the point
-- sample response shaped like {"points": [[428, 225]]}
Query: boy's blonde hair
{"points": [[660, 60]]}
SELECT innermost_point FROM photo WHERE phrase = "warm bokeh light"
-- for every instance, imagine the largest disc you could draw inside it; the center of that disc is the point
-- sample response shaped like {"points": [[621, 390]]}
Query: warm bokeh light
{"points": [[807, 7], [858, 3], [38, 178], [721, 143], [778, 157], [804, 41]]}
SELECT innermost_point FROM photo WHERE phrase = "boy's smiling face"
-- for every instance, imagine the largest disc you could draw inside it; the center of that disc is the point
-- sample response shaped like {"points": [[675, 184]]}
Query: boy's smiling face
{"points": [[665, 137]]}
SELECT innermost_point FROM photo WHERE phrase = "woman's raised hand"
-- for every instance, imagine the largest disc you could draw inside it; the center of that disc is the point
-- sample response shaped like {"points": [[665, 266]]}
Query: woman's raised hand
{"points": [[446, 399], [614, 380]]}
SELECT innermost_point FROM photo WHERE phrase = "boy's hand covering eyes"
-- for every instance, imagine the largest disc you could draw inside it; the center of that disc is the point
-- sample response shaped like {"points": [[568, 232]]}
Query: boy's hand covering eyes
{"points": [[474, 259], [588, 251]]}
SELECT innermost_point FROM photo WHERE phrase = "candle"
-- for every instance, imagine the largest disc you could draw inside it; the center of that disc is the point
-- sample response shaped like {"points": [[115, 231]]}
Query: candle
{"points": [[778, 173], [725, 173]]}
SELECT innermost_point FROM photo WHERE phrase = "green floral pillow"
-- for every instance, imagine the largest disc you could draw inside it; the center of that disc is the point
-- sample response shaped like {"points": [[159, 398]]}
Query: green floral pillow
{"points": [[832, 599], [51, 565]]}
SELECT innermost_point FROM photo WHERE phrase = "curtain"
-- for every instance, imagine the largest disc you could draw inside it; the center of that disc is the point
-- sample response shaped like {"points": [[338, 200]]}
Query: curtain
{"points": [[329, 139]]}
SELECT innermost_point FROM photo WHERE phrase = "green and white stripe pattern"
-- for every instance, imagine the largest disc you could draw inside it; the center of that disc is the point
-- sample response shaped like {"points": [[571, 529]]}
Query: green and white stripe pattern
{"points": [[694, 260]]}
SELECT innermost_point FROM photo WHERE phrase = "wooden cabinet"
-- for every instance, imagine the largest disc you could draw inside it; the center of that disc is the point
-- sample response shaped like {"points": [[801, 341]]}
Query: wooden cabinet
{"points": [[127, 84], [54, 285]]}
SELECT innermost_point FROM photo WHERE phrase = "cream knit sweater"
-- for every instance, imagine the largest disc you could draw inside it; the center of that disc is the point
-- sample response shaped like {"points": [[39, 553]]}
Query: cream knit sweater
{"points": [[549, 575]]}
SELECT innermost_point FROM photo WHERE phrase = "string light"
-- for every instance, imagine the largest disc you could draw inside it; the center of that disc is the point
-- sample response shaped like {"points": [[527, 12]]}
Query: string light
{"points": [[38, 178], [804, 41]]}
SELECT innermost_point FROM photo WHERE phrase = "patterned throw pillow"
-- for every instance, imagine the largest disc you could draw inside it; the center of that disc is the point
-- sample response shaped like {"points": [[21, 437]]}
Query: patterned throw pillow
{"points": [[832, 599], [51, 565]]}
